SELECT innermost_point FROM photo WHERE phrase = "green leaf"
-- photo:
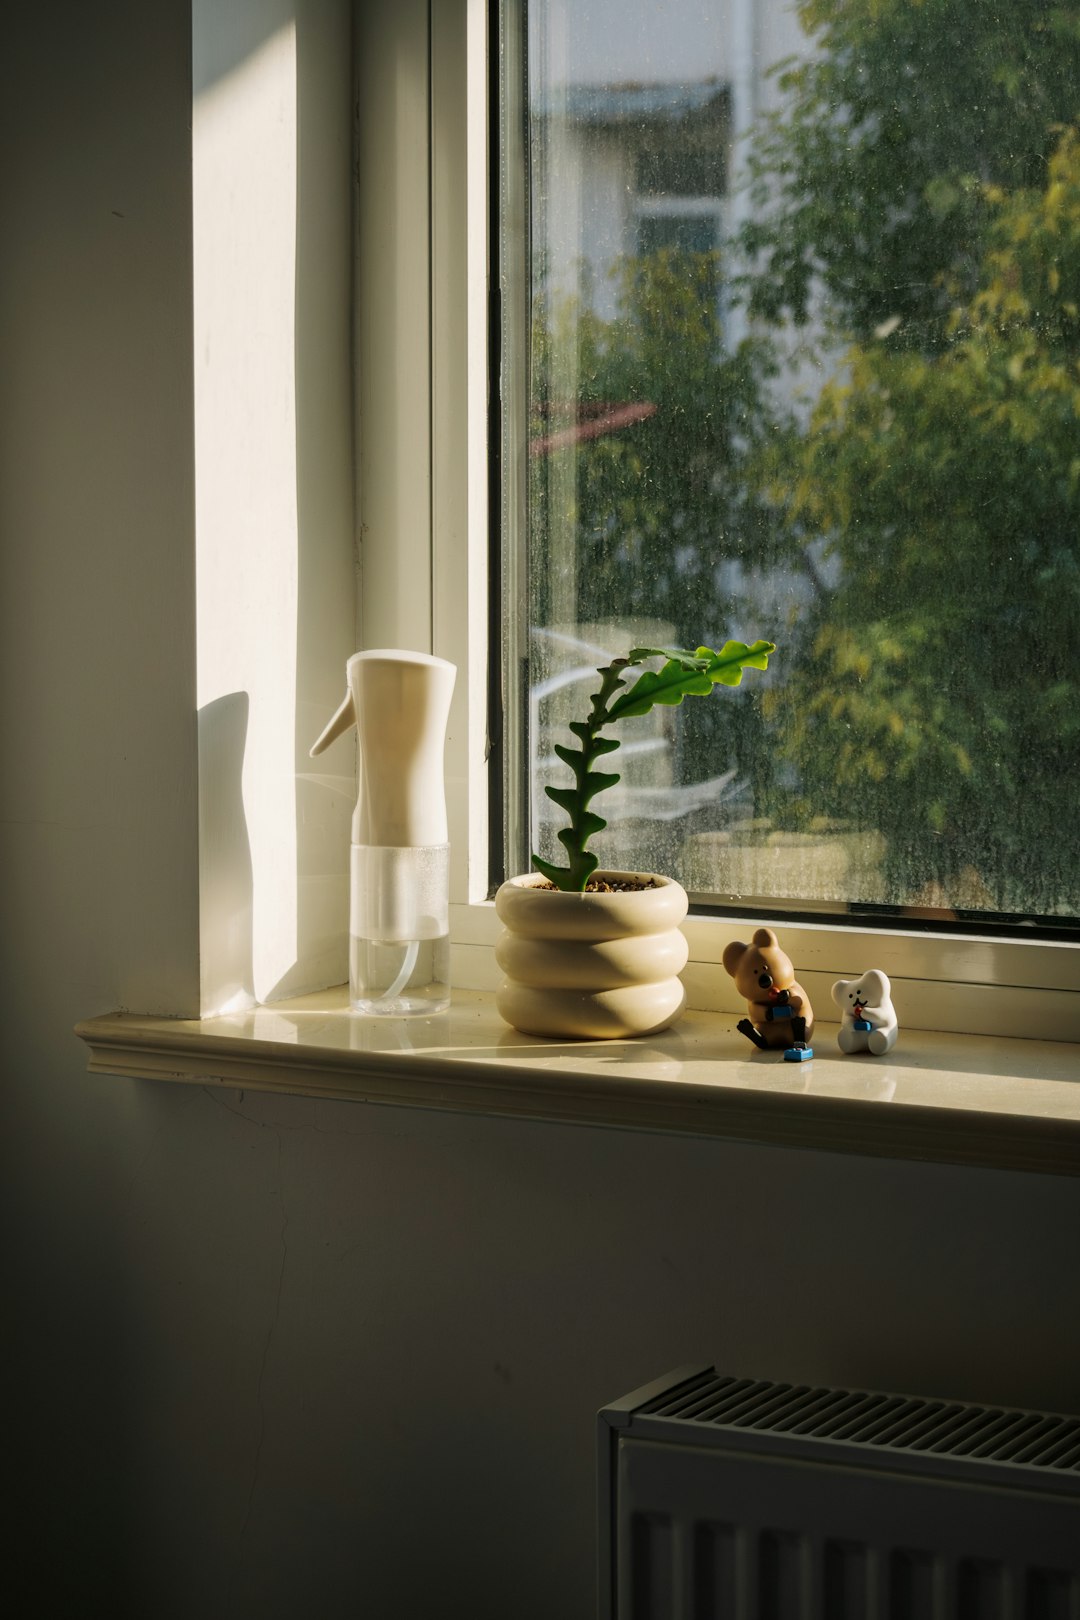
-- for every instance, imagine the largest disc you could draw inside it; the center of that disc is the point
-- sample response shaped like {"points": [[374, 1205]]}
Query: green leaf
{"points": [[663, 688], [570, 756], [594, 782], [570, 879], [677, 655], [688, 674], [567, 799], [727, 665], [574, 839], [590, 823], [554, 874], [670, 685]]}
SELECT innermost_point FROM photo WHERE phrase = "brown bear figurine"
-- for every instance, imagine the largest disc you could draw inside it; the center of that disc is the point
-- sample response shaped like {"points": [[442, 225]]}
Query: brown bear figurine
{"points": [[779, 1008]]}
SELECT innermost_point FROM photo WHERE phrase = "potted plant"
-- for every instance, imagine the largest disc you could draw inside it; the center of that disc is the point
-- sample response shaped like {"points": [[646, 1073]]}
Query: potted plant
{"points": [[591, 953]]}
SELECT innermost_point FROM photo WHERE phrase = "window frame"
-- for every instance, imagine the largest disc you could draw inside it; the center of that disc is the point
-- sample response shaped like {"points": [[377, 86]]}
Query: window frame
{"points": [[426, 575]]}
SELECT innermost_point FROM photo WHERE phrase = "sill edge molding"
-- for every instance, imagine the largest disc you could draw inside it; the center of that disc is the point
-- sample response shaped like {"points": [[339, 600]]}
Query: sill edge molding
{"points": [[965, 1101]]}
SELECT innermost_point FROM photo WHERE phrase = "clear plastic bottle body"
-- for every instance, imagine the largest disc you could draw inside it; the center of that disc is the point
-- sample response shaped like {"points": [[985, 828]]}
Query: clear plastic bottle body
{"points": [[399, 979], [399, 930]]}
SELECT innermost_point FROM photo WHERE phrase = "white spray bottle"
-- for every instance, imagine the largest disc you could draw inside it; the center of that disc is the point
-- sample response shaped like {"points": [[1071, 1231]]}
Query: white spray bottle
{"points": [[399, 917]]}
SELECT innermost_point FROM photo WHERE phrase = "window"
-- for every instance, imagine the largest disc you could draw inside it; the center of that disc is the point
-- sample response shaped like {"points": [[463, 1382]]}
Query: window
{"points": [[964, 979], [878, 476]]}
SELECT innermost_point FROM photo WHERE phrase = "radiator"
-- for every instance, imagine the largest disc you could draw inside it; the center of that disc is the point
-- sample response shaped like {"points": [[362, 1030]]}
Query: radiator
{"points": [[737, 1499]]}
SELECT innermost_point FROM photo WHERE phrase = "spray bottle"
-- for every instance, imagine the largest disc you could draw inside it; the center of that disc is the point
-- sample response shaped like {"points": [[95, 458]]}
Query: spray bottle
{"points": [[399, 869]]}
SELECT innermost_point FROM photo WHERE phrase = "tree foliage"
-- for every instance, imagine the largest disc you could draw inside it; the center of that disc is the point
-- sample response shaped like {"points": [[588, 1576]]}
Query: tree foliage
{"points": [[658, 510], [935, 692], [871, 179], [656, 507], [917, 232]]}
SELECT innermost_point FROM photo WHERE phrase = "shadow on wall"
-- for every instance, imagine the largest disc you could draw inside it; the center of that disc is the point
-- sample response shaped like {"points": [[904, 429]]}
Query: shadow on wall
{"points": [[225, 876], [241, 30]]}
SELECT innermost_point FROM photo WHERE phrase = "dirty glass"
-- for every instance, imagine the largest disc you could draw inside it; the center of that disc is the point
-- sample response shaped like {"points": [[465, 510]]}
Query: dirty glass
{"points": [[803, 337]]}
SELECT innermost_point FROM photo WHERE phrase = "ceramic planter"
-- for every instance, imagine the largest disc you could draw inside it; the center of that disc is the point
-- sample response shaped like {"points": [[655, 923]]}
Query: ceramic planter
{"points": [[591, 966]]}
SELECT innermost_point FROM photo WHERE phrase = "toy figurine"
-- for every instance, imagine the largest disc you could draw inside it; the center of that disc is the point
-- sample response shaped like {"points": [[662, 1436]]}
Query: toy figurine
{"points": [[779, 1008], [868, 1021]]}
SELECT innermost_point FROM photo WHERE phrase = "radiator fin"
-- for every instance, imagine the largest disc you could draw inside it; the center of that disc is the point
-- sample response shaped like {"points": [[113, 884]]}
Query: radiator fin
{"points": [[844, 1575], [895, 1422], [911, 1584], [716, 1570], [652, 1564], [779, 1567], [1050, 1595], [983, 1590]]}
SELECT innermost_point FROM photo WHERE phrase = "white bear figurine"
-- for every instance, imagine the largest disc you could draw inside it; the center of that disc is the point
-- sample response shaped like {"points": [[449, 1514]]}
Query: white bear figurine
{"points": [[868, 1021]]}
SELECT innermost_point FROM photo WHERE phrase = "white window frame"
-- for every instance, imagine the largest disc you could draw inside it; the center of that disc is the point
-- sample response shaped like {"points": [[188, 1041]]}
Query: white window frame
{"points": [[423, 413]]}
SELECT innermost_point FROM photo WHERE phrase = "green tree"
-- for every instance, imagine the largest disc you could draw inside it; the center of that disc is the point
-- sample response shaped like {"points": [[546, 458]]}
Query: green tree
{"points": [[870, 180], [657, 507], [658, 504], [919, 214], [950, 487]]}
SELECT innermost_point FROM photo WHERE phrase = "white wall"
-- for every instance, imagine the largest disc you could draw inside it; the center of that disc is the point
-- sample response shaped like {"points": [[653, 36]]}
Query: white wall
{"points": [[282, 1358], [276, 567], [98, 849]]}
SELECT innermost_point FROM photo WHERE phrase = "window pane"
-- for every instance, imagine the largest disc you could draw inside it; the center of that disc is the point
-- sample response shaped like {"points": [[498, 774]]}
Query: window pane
{"points": [[804, 348]]}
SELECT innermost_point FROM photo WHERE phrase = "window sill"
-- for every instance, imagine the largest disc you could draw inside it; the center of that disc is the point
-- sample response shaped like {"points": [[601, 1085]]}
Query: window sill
{"points": [[954, 1099]]}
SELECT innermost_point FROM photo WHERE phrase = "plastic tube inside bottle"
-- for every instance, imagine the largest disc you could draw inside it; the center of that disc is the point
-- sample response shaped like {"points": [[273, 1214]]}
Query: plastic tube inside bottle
{"points": [[392, 991], [399, 947]]}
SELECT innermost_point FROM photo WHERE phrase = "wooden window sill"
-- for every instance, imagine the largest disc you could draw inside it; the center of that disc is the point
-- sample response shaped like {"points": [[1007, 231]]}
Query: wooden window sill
{"points": [[954, 1099]]}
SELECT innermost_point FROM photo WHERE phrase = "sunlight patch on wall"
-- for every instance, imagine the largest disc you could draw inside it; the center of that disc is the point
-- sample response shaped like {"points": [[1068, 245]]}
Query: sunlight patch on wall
{"points": [[244, 154]]}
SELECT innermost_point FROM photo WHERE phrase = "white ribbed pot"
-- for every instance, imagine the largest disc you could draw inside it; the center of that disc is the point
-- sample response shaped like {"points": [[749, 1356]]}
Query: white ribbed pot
{"points": [[591, 966]]}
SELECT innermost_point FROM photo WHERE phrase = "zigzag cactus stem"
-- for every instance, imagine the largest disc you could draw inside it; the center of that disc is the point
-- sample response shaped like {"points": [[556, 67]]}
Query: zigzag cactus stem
{"points": [[683, 674], [587, 784]]}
